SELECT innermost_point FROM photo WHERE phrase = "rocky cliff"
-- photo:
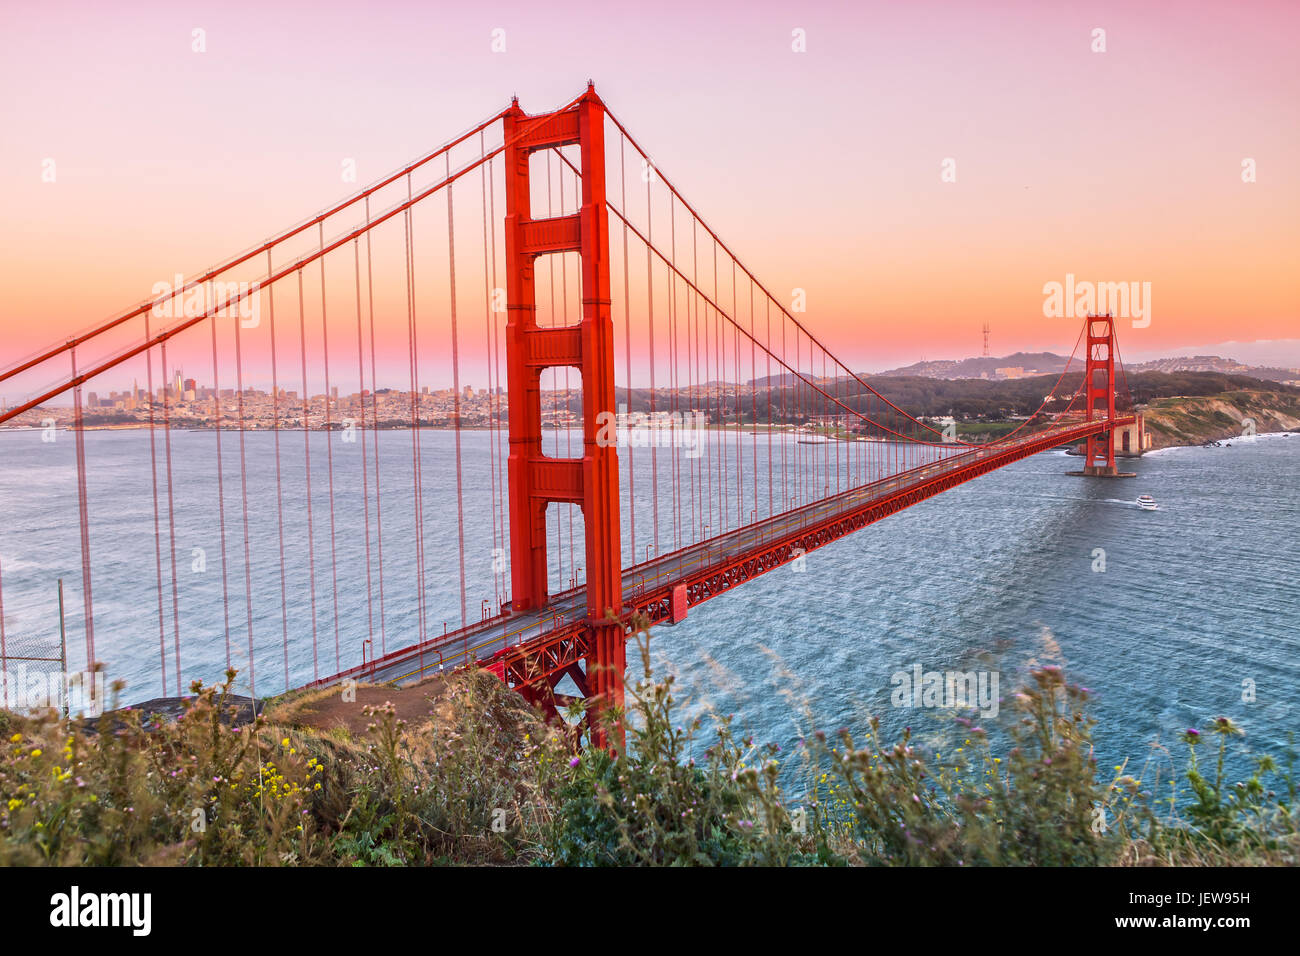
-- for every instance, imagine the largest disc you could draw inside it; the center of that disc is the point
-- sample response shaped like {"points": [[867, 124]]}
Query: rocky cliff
{"points": [[1188, 420]]}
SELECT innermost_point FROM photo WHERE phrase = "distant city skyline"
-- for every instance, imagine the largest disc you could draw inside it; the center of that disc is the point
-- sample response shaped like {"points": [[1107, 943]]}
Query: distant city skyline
{"points": [[1283, 354]]}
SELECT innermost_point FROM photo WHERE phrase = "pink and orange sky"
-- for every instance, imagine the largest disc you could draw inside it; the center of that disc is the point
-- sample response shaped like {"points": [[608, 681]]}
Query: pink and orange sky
{"points": [[822, 169]]}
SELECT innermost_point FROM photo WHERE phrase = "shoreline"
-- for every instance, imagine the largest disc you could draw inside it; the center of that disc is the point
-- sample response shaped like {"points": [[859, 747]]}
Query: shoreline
{"points": [[793, 431], [1224, 443]]}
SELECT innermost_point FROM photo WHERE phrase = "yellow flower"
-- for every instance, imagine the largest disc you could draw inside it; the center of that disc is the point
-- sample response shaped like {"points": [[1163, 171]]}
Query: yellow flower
{"points": [[284, 742], [15, 738], [36, 752]]}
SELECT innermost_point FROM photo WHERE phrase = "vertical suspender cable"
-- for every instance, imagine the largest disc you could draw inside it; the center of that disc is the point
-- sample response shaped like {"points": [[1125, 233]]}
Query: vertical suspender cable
{"points": [[279, 480], [221, 493], [487, 360], [171, 521], [374, 422], [329, 451], [83, 506], [157, 520], [243, 491], [455, 376], [306, 452], [365, 467], [627, 348]]}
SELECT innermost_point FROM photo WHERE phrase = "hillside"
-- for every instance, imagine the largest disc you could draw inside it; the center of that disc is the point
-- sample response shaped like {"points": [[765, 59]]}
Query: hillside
{"points": [[1044, 363], [1194, 420], [1049, 363]]}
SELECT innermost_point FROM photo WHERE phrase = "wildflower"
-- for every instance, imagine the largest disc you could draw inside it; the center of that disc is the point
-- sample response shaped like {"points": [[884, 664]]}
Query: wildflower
{"points": [[1225, 727], [575, 761]]}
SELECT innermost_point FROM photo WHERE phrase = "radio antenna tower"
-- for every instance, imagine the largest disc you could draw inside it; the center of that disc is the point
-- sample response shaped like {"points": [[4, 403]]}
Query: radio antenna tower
{"points": [[986, 340]]}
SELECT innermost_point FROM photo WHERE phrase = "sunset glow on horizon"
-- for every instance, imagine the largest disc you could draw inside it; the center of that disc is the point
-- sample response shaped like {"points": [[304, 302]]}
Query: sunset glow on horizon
{"points": [[919, 171]]}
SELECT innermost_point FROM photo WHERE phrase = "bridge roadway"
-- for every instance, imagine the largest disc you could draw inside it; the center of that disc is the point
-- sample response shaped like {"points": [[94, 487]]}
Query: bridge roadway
{"points": [[549, 639]]}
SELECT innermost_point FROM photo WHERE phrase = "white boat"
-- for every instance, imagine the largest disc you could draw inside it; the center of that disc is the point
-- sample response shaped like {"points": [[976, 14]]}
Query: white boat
{"points": [[1146, 503]]}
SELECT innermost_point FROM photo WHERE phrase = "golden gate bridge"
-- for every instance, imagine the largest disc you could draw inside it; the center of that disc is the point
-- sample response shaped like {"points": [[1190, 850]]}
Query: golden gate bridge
{"points": [[549, 256]]}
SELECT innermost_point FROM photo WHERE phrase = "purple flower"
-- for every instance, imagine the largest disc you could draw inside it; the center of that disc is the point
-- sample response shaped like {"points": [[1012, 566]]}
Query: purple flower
{"points": [[574, 762]]}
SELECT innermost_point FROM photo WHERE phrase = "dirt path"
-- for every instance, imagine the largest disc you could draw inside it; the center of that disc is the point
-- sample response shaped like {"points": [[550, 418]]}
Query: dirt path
{"points": [[328, 709]]}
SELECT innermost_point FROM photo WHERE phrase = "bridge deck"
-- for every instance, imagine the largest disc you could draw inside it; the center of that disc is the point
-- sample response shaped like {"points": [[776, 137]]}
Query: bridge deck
{"points": [[525, 644]]}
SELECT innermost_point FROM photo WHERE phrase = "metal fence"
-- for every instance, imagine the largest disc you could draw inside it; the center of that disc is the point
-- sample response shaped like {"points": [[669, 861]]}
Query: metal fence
{"points": [[34, 672]]}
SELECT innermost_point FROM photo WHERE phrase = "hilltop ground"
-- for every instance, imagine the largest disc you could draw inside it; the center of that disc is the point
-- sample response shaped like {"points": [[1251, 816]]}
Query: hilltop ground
{"points": [[328, 709]]}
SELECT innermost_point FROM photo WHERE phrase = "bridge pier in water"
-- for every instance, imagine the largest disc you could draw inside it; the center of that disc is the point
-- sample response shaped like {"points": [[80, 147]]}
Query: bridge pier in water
{"points": [[535, 479]]}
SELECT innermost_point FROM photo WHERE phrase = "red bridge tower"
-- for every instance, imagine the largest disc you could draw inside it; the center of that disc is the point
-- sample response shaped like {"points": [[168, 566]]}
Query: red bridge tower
{"points": [[536, 479]]}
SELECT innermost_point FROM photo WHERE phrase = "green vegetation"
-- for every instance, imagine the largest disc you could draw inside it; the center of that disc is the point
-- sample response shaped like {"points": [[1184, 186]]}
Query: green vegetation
{"points": [[986, 430], [484, 781], [982, 407]]}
